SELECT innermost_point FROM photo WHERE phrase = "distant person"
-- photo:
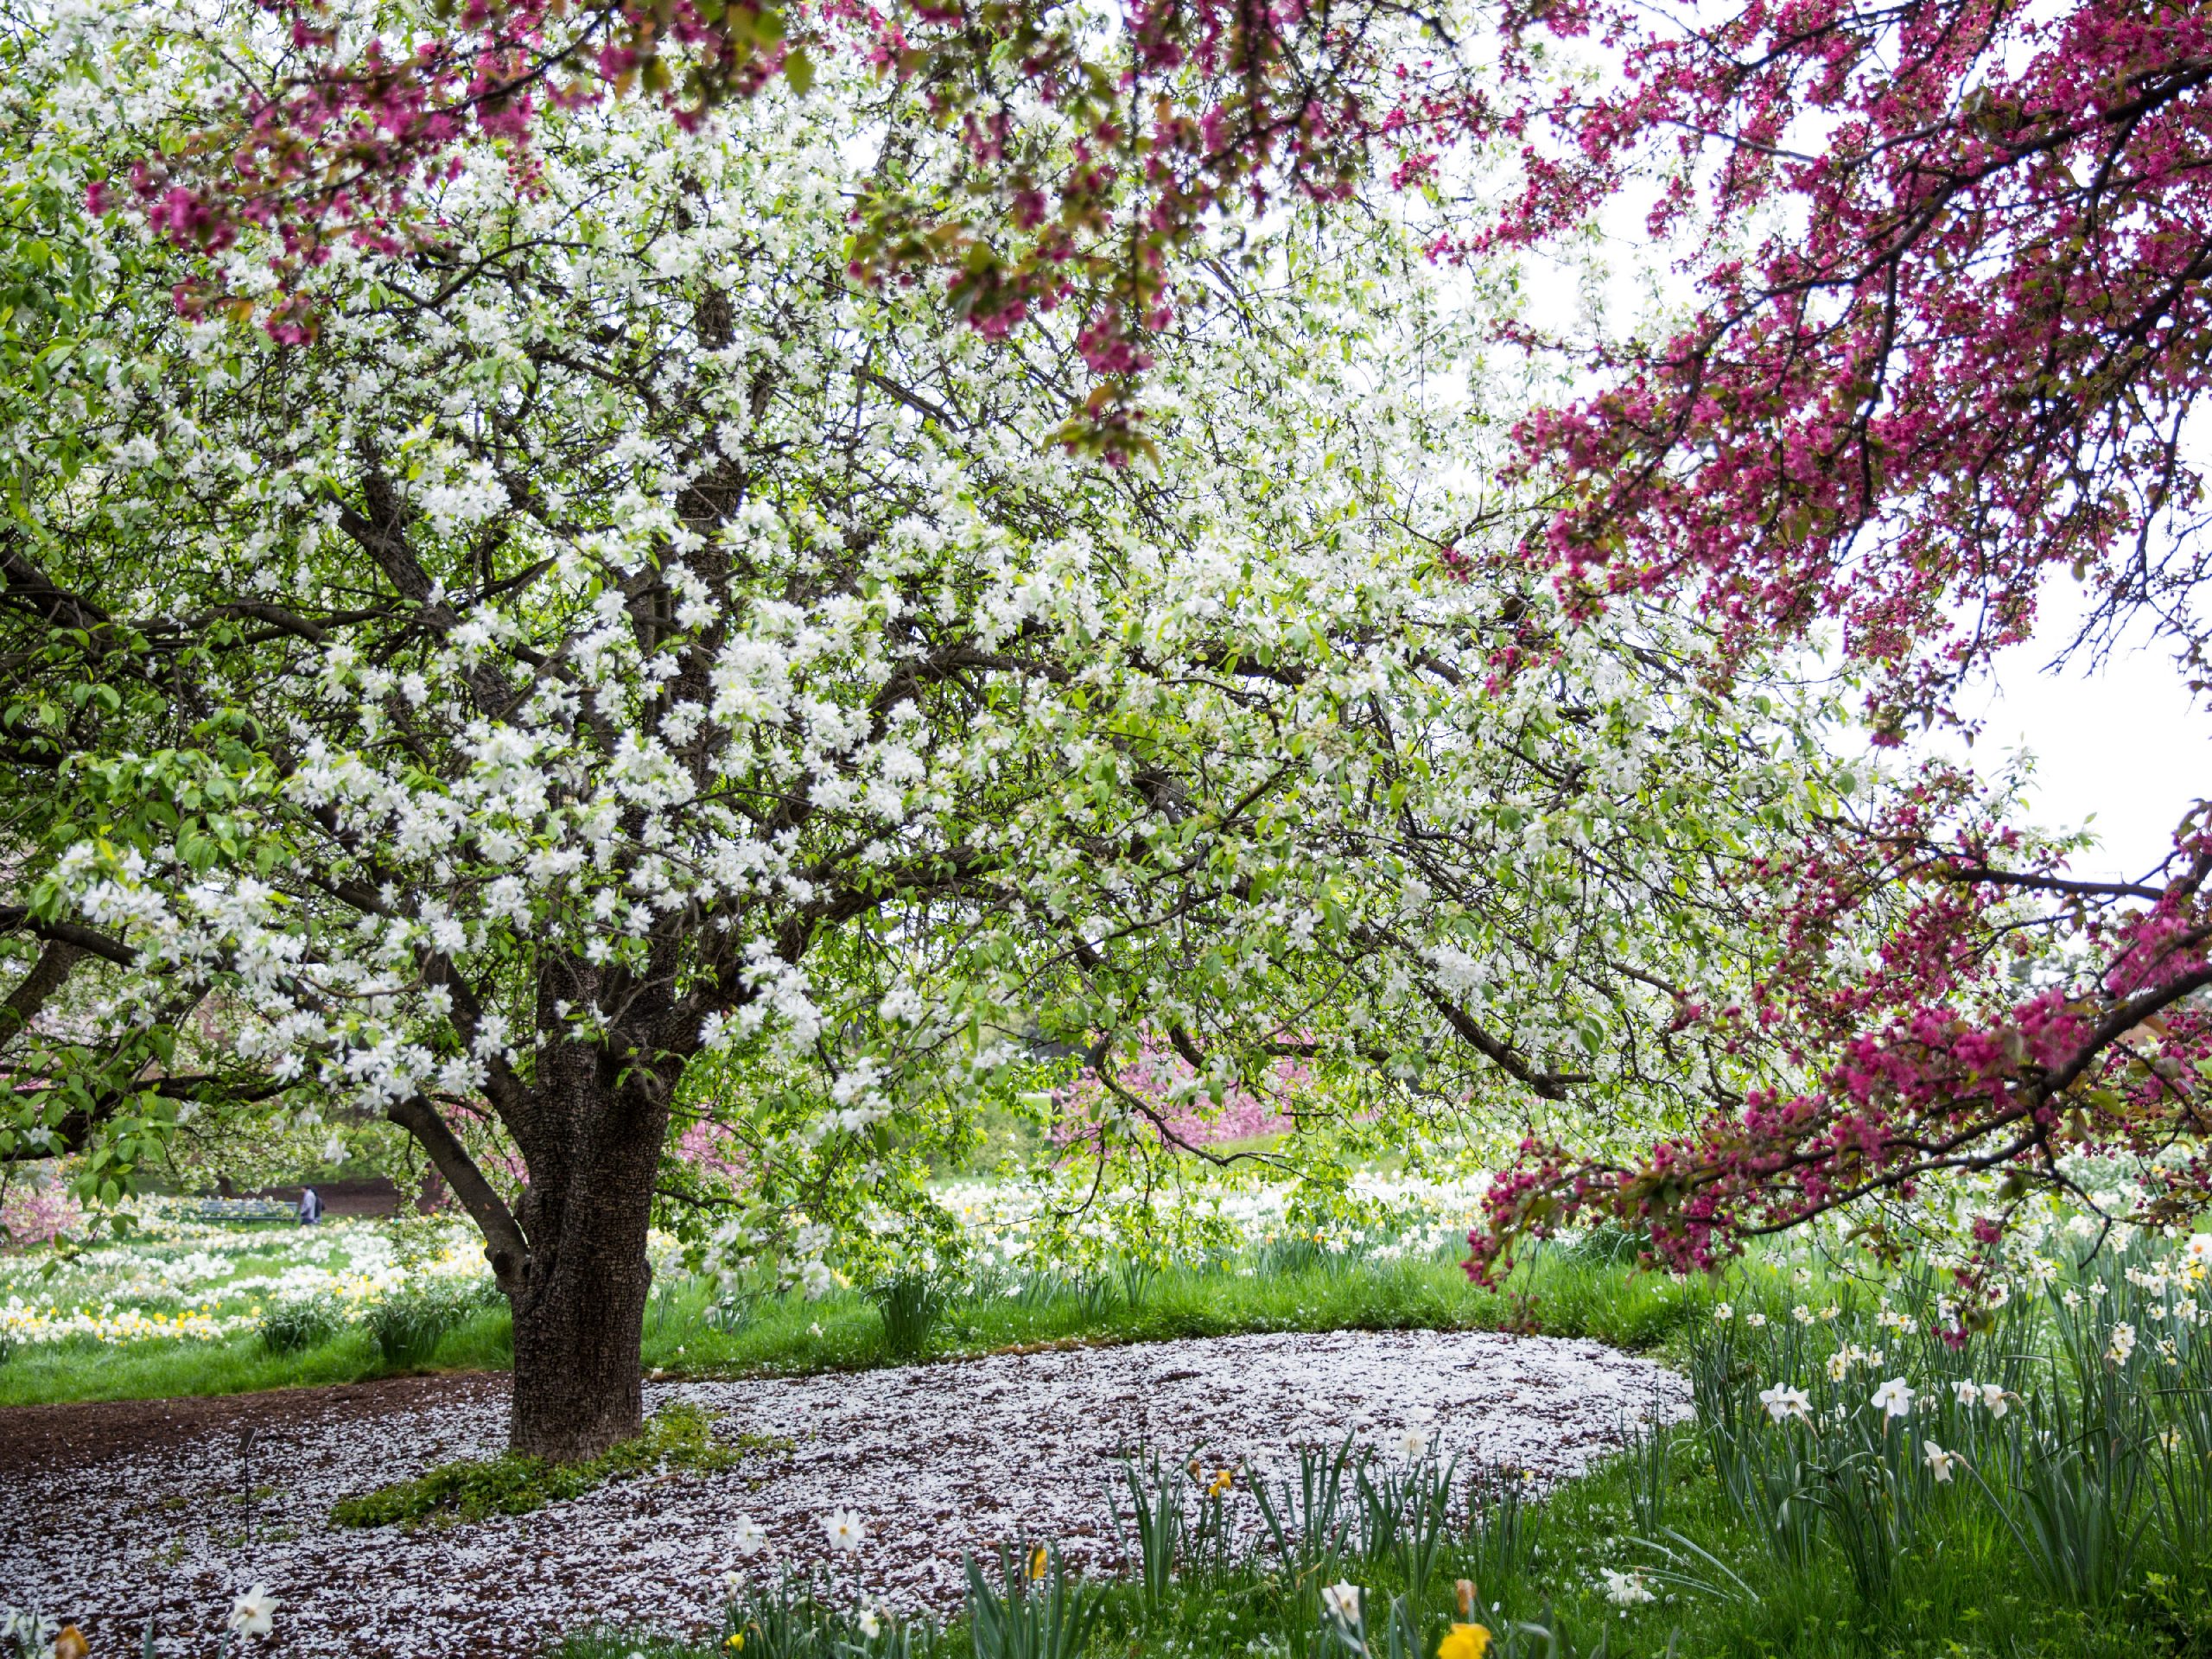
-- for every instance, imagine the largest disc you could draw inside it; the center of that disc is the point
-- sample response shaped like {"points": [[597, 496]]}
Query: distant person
{"points": [[310, 1207]]}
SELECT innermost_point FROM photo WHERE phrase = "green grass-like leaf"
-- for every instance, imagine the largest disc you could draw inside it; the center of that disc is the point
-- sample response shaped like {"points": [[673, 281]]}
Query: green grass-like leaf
{"points": [[676, 1437]]}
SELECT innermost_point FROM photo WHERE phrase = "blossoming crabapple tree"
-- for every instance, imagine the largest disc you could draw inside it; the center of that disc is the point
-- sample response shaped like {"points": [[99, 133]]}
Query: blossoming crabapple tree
{"points": [[1950, 264], [615, 641]]}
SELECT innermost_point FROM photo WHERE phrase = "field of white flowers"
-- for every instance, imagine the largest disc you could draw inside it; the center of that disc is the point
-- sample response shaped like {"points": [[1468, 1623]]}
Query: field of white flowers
{"points": [[159, 1271], [1008, 1226], [172, 1275]]}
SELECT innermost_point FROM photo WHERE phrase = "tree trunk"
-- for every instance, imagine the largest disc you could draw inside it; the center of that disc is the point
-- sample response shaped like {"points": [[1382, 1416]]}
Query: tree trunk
{"points": [[579, 1310]]}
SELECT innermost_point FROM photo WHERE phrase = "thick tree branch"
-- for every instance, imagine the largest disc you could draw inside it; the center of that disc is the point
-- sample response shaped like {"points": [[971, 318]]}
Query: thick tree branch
{"points": [[505, 1247], [47, 976], [91, 942], [1546, 1085], [26, 586]]}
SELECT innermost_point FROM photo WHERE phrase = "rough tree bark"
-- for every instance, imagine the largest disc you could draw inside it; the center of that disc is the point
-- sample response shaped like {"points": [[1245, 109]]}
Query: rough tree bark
{"points": [[570, 1255], [580, 1302], [577, 1324]]}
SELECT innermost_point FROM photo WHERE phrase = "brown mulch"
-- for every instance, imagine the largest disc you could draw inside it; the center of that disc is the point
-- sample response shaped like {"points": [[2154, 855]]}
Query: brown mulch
{"points": [[35, 1438]]}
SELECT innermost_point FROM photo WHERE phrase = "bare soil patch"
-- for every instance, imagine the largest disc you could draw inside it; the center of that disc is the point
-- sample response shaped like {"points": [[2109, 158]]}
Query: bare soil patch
{"points": [[36, 1439]]}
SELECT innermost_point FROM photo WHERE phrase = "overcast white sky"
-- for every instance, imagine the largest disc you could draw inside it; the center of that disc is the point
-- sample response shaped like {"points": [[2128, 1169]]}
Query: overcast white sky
{"points": [[2124, 748]]}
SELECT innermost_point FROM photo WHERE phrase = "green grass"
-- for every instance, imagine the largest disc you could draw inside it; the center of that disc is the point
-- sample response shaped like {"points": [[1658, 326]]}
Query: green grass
{"points": [[1561, 1293], [83, 1370], [1565, 1292], [677, 1437]]}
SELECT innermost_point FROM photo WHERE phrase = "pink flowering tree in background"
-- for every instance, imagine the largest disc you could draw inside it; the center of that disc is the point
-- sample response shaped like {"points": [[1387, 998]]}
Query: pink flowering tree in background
{"points": [[1157, 1098], [36, 1206], [1961, 360]]}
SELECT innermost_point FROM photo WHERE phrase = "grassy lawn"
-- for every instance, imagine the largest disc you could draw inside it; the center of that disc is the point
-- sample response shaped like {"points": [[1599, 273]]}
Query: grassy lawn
{"points": [[80, 1369], [1566, 1293]]}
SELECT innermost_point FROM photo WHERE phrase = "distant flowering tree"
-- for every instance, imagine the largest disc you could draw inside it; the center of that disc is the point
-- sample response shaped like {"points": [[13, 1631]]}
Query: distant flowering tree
{"points": [[1950, 262], [37, 1205], [1158, 1097]]}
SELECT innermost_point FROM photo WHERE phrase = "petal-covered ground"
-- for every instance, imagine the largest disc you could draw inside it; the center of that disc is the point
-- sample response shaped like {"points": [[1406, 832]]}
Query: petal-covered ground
{"points": [[936, 1459]]}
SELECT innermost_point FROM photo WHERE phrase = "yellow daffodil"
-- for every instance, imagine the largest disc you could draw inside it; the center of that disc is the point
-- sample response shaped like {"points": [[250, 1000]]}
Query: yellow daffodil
{"points": [[1464, 1641], [735, 1641], [1037, 1562], [1222, 1481]]}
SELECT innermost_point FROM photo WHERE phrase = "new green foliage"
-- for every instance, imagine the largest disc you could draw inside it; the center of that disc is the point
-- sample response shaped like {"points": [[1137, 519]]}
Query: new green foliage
{"points": [[677, 1437]]}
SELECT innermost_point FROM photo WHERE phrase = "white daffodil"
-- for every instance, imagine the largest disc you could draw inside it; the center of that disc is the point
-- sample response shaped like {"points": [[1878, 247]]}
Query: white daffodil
{"points": [[1940, 1462], [747, 1537], [1968, 1394], [1894, 1397], [253, 1613], [1342, 1602], [1994, 1400], [1626, 1589], [871, 1623], [845, 1529], [1783, 1402]]}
